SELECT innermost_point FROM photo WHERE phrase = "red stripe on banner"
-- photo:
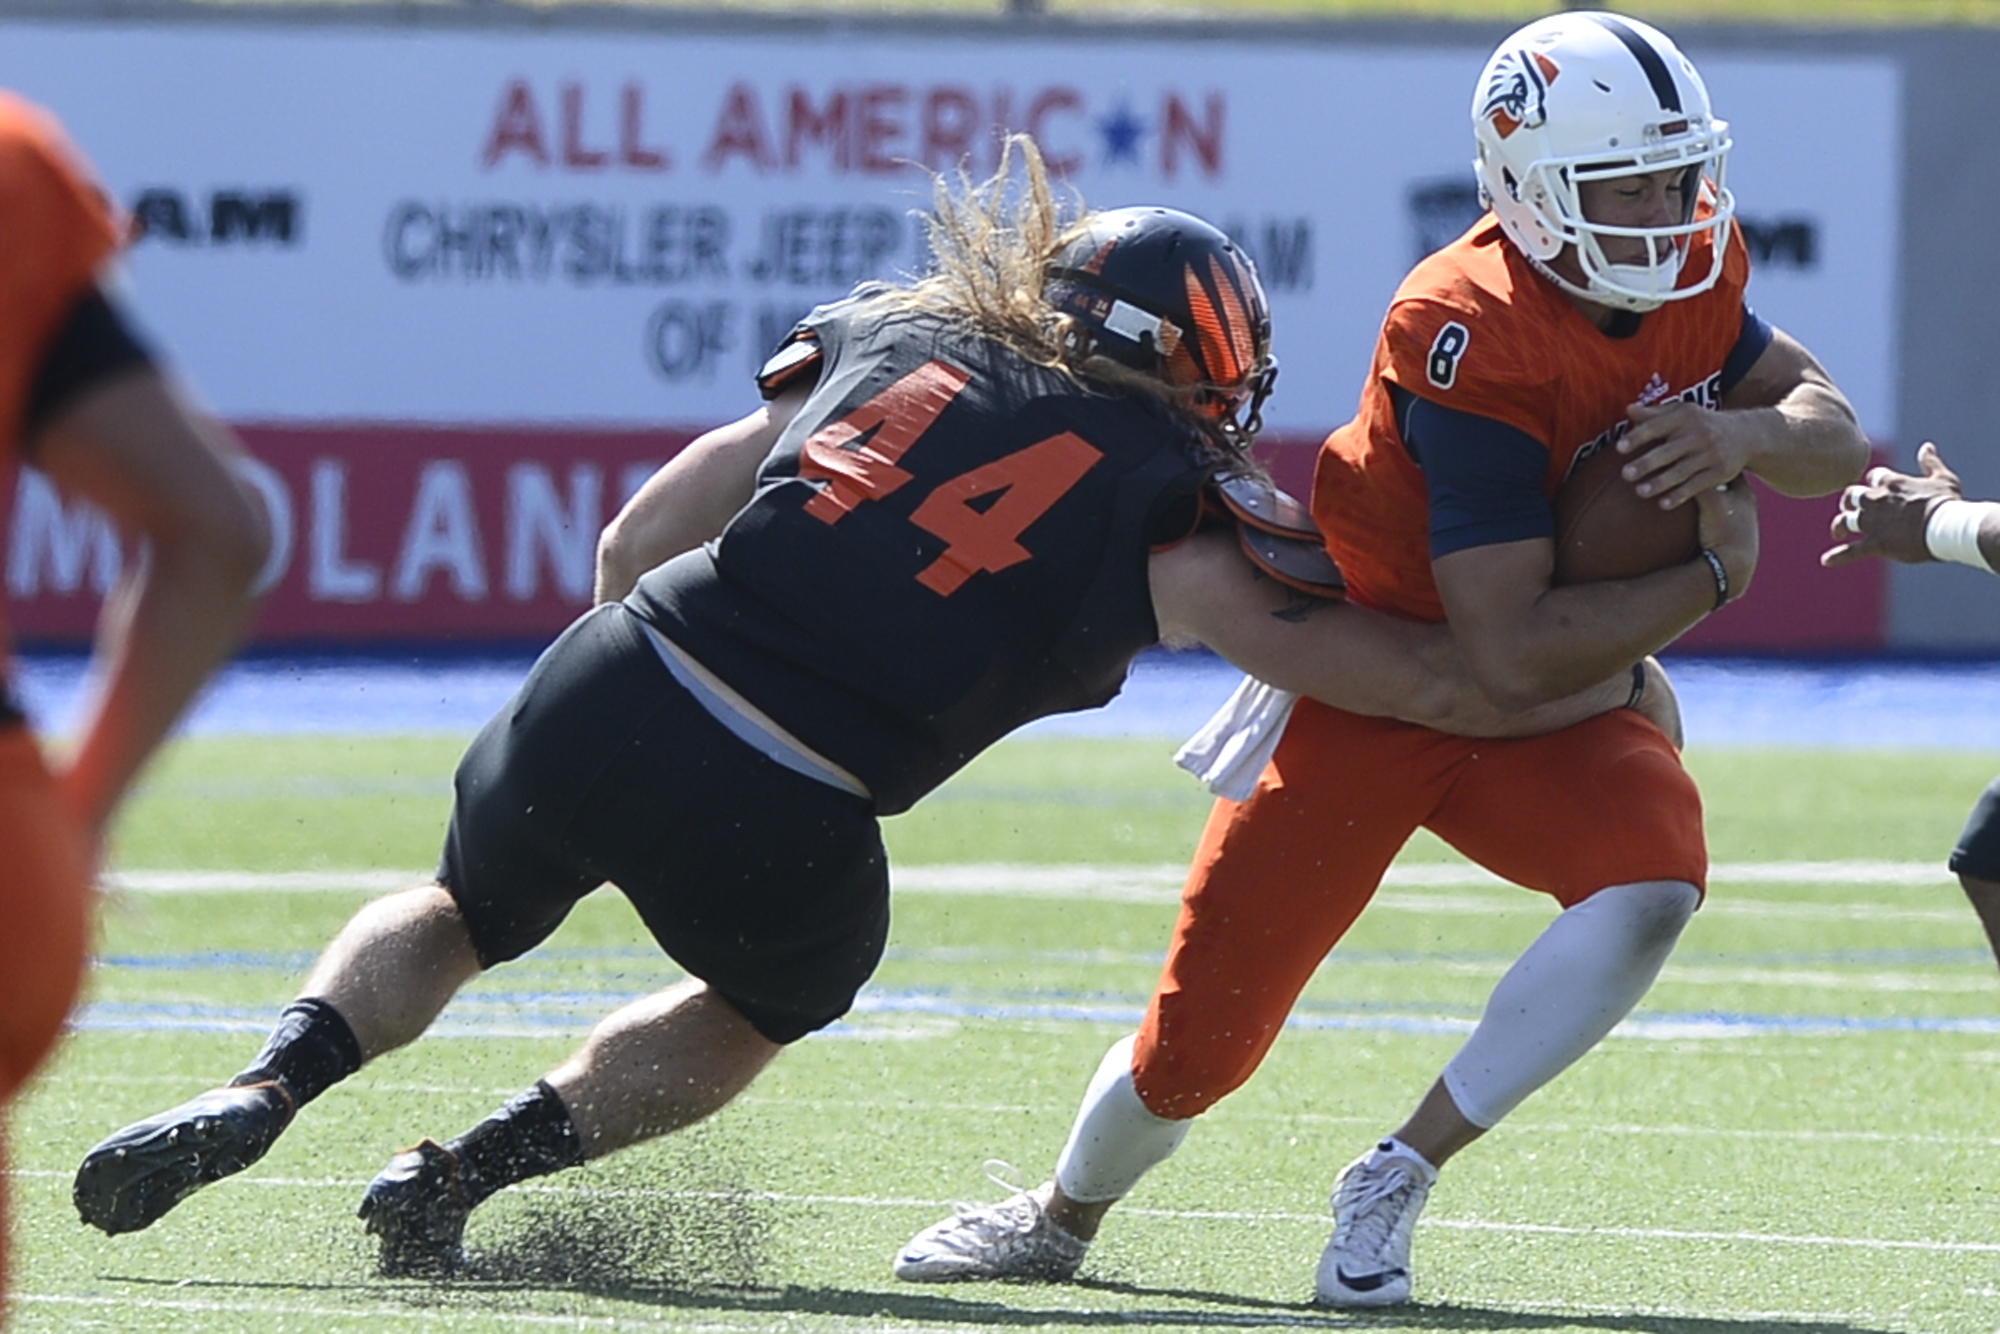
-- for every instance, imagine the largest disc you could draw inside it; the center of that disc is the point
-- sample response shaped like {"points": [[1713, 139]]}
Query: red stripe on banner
{"points": [[383, 534], [406, 534]]}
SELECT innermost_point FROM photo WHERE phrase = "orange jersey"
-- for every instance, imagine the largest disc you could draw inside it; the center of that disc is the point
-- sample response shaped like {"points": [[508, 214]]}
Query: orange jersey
{"points": [[1475, 328], [56, 230]]}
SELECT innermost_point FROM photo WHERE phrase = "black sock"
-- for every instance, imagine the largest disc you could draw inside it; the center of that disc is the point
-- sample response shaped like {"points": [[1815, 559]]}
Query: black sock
{"points": [[310, 1051], [531, 1136]]}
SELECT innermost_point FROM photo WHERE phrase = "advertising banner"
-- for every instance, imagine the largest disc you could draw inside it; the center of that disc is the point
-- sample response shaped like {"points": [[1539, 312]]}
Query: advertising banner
{"points": [[457, 287]]}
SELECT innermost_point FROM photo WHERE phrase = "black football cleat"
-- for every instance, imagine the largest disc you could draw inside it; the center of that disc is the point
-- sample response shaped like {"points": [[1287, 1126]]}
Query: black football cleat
{"points": [[133, 1178], [417, 1208]]}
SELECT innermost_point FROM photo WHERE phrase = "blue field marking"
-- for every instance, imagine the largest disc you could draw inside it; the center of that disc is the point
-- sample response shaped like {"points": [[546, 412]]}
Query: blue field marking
{"points": [[572, 1013], [297, 961], [1848, 703], [235, 961]]}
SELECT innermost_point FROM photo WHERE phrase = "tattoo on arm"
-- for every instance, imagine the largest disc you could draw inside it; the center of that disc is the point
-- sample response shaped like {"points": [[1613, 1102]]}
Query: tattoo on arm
{"points": [[1300, 606]]}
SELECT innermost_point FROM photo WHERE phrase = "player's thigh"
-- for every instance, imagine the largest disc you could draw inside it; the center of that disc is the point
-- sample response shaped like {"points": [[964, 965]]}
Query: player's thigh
{"points": [[510, 860], [1606, 802], [770, 886], [44, 904], [1276, 881]]}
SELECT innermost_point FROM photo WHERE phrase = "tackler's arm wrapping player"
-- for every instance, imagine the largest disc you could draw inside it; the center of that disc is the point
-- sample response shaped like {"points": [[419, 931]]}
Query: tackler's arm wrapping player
{"points": [[1601, 304], [1291, 633]]}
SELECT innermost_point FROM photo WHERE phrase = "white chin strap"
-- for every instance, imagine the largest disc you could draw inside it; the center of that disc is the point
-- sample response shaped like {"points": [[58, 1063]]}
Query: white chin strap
{"points": [[1620, 286]]}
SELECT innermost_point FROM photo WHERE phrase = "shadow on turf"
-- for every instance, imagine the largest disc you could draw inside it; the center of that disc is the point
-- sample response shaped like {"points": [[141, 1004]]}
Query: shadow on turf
{"points": [[930, 1307], [1447, 1316], [633, 1238]]}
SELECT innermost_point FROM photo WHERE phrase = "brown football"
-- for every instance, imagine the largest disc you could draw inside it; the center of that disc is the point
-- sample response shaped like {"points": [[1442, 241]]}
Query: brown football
{"points": [[1606, 530]]}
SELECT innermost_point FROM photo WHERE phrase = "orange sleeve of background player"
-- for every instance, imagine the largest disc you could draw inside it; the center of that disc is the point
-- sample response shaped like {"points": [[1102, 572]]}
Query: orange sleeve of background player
{"points": [[57, 228]]}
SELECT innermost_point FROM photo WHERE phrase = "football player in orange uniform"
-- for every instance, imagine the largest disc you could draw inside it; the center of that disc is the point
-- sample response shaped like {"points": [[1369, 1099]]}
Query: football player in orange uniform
{"points": [[1599, 305], [84, 403]]}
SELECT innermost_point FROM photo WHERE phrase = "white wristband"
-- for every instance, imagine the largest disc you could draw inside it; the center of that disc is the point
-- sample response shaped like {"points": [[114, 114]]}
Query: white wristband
{"points": [[1952, 531]]}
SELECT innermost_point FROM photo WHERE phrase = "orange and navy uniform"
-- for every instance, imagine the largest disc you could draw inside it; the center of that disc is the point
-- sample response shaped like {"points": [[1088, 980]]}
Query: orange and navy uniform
{"points": [[1474, 329], [1523, 385], [56, 231]]}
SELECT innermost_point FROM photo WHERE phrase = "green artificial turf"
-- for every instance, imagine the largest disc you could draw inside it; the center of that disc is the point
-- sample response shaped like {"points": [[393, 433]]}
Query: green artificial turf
{"points": [[1791, 1134]]}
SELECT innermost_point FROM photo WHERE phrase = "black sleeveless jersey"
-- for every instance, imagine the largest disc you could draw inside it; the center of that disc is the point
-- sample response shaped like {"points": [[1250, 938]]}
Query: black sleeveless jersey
{"points": [[947, 542]]}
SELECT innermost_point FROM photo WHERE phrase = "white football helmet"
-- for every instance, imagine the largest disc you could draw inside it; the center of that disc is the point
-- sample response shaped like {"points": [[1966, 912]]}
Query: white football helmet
{"points": [[1589, 96]]}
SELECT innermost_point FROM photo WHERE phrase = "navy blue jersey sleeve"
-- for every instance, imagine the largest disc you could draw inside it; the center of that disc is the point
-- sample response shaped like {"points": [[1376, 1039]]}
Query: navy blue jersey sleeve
{"points": [[1484, 477], [1751, 341]]}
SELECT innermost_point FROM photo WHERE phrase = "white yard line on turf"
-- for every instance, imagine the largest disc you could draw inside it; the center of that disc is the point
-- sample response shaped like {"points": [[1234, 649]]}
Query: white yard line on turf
{"points": [[600, 1191], [456, 1315], [1142, 883], [1177, 1316]]}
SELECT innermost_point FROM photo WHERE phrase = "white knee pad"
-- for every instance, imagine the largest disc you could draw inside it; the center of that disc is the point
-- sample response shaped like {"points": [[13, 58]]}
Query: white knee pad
{"points": [[1116, 1139], [1570, 988]]}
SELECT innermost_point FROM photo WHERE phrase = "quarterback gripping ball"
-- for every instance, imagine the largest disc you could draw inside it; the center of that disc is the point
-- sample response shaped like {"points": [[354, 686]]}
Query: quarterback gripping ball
{"points": [[1607, 530]]}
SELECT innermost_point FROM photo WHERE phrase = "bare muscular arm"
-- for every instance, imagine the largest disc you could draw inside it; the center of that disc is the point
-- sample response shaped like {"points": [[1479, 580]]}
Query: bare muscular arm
{"points": [[1527, 643], [691, 498], [160, 469], [1353, 658], [1785, 421]]}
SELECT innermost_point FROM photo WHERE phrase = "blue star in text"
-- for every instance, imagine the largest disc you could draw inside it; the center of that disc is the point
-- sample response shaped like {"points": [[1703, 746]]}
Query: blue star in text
{"points": [[1122, 132]]}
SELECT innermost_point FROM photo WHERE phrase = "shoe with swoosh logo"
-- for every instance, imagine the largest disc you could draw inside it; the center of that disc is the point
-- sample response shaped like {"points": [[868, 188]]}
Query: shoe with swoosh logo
{"points": [[1376, 1200]]}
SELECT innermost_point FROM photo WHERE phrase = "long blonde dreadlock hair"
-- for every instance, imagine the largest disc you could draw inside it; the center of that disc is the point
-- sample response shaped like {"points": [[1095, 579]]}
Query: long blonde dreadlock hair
{"points": [[991, 244]]}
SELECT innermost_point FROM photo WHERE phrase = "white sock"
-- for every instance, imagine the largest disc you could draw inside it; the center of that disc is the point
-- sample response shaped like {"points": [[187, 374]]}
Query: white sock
{"points": [[1567, 991], [1116, 1138], [1391, 1147]]}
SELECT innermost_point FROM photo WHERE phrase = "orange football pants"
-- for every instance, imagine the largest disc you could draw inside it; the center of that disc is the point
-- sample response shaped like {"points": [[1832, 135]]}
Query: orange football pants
{"points": [[1279, 878], [44, 921]]}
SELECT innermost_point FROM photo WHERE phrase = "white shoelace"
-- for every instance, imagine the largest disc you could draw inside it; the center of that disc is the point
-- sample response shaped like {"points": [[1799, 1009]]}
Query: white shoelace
{"points": [[983, 1225], [1372, 1224]]}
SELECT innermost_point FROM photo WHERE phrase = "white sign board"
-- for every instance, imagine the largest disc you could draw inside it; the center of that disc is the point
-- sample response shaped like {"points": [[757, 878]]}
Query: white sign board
{"points": [[362, 224]]}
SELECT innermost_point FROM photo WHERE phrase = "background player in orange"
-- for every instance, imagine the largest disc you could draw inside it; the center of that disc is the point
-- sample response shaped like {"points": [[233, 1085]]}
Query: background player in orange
{"points": [[966, 503], [83, 401], [1600, 305]]}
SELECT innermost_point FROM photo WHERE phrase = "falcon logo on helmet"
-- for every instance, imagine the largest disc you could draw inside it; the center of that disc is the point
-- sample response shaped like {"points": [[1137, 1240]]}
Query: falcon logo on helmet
{"points": [[1166, 294], [1517, 85]]}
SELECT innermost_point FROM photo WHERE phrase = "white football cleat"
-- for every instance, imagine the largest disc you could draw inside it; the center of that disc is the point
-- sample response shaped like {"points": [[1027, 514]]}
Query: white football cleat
{"points": [[1376, 1200], [1012, 1239]]}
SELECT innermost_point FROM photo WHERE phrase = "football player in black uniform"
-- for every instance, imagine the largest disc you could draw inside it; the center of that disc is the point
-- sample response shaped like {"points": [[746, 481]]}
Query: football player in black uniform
{"points": [[966, 503]]}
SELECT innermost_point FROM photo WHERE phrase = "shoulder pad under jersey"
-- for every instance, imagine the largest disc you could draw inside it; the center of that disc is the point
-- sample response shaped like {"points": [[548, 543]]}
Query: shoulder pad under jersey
{"points": [[796, 362], [1277, 533]]}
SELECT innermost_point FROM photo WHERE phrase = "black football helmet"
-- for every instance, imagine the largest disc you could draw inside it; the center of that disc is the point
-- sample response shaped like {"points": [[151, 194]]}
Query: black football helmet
{"points": [[1170, 296]]}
